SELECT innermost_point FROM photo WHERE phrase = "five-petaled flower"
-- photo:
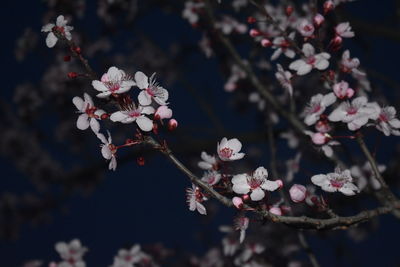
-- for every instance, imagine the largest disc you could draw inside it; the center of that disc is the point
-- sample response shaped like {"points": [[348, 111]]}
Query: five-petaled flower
{"points": [[150, 90], [310, 61], [211, 177], [255, 183], [115, 81], [208, 162], [387, 121], [89, 113], [355, 114], [61, 27], [228, 150], [71, 253], [108, 150], [194, 198], [283, 78], [336, 181], [135, 114], [317, 106]]}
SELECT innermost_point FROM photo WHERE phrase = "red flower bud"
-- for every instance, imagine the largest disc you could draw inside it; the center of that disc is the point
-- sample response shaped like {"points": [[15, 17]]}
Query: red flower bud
{"points": [[72, 74], [67, 58], [172, 124], [251, 20], [289, 10], [140, 161]]}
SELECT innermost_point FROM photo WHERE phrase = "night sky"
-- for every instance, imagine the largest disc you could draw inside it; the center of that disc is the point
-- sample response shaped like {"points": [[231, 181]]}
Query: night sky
{"points": [[147, 204]]}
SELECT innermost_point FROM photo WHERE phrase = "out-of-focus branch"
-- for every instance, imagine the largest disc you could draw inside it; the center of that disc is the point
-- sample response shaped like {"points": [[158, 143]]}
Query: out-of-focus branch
{"points": [[386, 196]]}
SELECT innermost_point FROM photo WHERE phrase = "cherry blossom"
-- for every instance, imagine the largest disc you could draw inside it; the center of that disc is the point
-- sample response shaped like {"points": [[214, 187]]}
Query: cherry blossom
{"points": [[292, 167], [60, 26], [317, 106], [211, 177], [355, 114], [324, 141], [228, 150], [150, 90], [284, 79], [298, 193], [350, 64], [255, 183], [365, 175], [71, 253], [306, 28], [336, 181], [128, 258], [191, 10], [241, 224], [249, 250], [342, 90], [310, 61], [230, 246], [237, 202], [135, 114], [236, 74], [208, 162], [344, 30], [282, 46], [229, 25], [115, 81], [89, 113], [194, 197], [108, 150], [387, 121]]}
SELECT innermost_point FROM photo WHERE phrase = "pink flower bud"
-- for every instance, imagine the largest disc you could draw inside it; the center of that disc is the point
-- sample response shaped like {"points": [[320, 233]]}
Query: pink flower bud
{"points": [[172, 124], [245, 197], [323, 126], [266, 43], [254, 33], [319, 138], [289, 10], [238, 202], [251, 20], [335, 43], [318, 20], [298, 193], [72, 74], [275, 210], [328, 6], [163, 112]]}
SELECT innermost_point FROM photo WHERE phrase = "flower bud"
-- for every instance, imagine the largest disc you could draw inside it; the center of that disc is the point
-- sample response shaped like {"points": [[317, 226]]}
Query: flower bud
{"points": [[323, 126], [298, 193], [328, 6], [251, 20], [318, 20], [266, 42], [67, 58], [255, 33], [289, 10], [275, 210], [72, 74], [172, 124], [320, 138], [140, 161], [237, 202]]}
